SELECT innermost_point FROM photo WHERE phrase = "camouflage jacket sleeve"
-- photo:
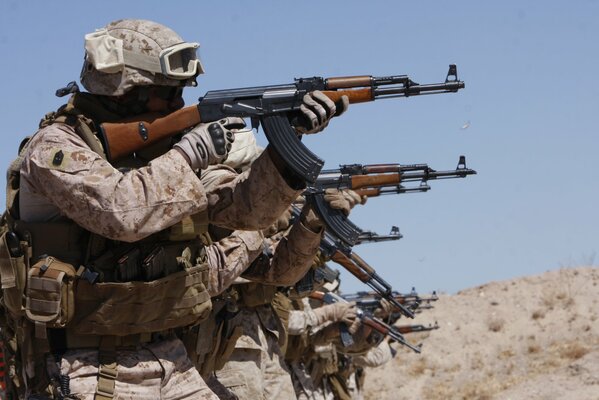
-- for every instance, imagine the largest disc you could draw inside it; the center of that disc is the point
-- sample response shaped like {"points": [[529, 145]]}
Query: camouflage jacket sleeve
{"points": [[375, 357], [230, 256], [126, 206], [300, 321], [293, 255], [251, 200]]}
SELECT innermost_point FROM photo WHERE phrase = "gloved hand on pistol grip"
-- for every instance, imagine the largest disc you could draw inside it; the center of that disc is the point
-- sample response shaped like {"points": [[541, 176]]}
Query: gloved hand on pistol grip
{"points": [[343, 200], [209, 143], [317, 110]]}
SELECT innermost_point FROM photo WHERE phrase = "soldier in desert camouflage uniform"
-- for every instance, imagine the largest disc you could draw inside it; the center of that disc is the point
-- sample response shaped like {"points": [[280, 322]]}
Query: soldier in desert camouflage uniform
{"points": [[127, 234], [249, 339]]}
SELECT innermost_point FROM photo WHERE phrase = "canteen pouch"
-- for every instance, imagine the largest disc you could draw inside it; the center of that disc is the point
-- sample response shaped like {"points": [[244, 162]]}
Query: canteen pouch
{"points": [[50, 293]]}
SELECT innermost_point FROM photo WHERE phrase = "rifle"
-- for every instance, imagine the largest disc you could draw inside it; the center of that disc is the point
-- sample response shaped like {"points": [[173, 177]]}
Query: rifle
{"points": [[273, 106], [366, 319], [416, 328], [369, 178], [348, 177], [372, 300]]}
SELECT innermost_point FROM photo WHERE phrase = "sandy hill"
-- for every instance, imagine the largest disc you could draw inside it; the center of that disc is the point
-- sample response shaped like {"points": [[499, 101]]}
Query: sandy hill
{"points": [[529, 338]]}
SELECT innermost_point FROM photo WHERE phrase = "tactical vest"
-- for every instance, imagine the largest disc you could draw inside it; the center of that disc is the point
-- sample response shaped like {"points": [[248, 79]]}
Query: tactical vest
{"points": [[58, 276]]}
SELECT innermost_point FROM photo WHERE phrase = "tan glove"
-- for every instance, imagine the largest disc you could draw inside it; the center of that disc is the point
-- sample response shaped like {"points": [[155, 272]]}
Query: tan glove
{"points": [[282, 223], [384, 310], [354, 326], [343, 200], [208, 144], [317, 110], [336, 312], [311, 220]]}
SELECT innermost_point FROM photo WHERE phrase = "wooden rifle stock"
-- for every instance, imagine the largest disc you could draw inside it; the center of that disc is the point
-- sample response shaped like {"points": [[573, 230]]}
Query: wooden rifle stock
{"points": [[128, 136]]}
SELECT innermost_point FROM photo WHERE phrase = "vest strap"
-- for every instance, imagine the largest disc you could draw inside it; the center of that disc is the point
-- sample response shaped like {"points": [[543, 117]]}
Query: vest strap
{"points": [[107, 369]]}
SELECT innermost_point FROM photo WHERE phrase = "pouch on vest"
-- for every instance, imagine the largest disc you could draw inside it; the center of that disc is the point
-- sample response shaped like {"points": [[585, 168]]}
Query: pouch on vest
{"points": [[49, 297], [14, 256], [127, 308]]}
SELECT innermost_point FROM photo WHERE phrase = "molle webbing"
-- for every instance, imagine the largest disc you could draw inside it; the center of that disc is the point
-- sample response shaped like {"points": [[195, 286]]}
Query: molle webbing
{"points": [[127, 308]]}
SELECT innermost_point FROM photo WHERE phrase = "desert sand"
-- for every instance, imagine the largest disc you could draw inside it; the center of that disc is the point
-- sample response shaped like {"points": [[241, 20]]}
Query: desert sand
{"points": [[534, 337]]}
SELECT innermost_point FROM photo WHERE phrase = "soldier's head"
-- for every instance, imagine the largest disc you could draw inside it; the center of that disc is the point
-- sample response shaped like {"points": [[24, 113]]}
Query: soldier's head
{"points": [[138, 60]]}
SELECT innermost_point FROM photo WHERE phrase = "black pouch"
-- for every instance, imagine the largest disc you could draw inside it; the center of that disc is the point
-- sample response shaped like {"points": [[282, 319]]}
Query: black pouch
{"points": [[153, 266], [127, 266]]}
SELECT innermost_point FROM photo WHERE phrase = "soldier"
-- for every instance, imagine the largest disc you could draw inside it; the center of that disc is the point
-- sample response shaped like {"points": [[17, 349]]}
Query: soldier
{"points": [[238, 348], [107, 255]]}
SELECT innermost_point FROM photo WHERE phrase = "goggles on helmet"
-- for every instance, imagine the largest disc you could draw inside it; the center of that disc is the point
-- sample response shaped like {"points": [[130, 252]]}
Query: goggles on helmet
{"points": [[180, 61], [107, 54]]}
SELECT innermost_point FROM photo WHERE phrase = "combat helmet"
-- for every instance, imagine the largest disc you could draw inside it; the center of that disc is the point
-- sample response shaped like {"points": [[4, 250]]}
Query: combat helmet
{"points": [[133, 52]]}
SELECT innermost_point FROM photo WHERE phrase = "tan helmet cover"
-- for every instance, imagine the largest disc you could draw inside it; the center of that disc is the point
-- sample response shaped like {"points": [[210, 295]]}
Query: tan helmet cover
{"points": [[129, 52]]}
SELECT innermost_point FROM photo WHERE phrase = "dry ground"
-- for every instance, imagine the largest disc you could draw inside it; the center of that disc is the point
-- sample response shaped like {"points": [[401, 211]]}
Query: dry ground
{"points": [[529, 338]]}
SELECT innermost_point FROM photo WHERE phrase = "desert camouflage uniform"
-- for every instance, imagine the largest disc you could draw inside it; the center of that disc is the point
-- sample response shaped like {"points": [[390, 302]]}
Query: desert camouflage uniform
{"points": [[128, 206]]}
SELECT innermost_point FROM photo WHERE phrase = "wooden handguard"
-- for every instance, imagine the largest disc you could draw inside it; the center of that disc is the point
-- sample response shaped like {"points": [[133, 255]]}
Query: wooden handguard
{"points": [[350, 266], [363, 265], [354, 95], [344, 82], [127, 137], [364, 181]]}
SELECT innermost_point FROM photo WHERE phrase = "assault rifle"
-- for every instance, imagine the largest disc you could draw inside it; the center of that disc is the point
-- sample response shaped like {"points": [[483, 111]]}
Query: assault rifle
{"points": [[372, 300], [356, 177], [273, 106], [373, 178], [366, 318]]}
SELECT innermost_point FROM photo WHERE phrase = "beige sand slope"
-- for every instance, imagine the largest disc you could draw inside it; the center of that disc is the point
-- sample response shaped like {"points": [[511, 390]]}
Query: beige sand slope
{"points": [[529, 338]]}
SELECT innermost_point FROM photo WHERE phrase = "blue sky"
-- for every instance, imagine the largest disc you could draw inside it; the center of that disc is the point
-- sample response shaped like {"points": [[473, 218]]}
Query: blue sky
{"points": [[531, 102]]}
